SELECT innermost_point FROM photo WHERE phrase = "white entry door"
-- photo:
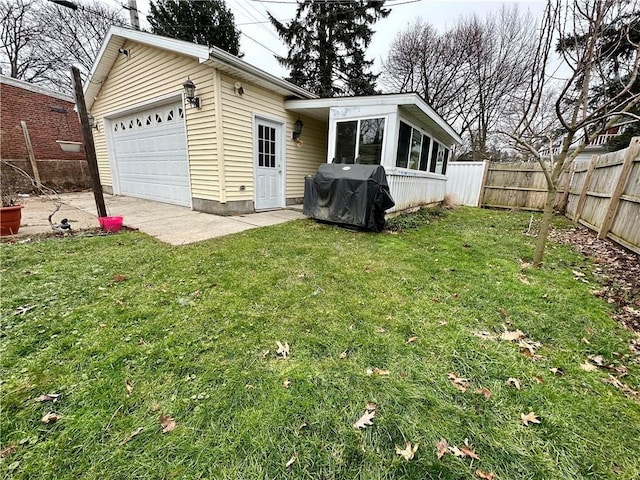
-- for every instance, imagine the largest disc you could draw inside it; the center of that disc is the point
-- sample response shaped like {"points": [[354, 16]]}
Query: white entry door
{"points": [[269, 175]]}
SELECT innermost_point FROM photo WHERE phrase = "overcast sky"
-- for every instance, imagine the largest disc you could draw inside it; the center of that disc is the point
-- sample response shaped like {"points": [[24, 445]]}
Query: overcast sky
{"points": [[259, 40]]}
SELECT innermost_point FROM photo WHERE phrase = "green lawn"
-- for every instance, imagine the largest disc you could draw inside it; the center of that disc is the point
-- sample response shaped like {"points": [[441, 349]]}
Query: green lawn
{"points": [[193, 330]]}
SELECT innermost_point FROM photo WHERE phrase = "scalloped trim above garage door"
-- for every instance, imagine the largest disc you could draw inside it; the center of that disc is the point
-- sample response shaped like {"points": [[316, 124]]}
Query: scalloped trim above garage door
{"points": [[151, 158]]}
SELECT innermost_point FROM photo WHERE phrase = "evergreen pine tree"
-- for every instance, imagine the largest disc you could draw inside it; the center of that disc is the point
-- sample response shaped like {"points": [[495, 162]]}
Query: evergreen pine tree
{"points": [[208, 23], [327, 41]]}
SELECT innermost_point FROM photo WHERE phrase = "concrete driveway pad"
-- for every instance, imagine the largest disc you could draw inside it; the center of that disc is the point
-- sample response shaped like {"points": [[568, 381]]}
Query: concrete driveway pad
{"points": [[168, 223]]}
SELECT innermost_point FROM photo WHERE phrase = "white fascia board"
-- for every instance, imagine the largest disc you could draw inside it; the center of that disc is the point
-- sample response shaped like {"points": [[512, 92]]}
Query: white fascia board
{"points": [[372, 100], [233, 61]]}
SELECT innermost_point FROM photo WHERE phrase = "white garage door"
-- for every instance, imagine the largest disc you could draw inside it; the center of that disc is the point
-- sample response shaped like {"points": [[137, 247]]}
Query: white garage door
{"points": [[151, 154]]}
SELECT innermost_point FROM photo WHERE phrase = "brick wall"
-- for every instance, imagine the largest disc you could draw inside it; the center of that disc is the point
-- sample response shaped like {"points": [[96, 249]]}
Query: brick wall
{"points": [[48, 119]]}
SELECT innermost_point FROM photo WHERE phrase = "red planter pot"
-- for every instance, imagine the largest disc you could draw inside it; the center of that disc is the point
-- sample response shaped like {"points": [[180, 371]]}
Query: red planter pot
{"points": [[10, 219]]}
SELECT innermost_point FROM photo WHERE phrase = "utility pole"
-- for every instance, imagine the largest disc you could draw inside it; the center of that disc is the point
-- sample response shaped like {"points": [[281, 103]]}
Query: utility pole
{"points": [[89, 147], [133, 14]]}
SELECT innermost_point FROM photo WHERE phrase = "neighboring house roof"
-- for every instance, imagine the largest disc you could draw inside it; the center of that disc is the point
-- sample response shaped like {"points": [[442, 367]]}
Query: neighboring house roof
{"points": [[412, 102], [14, 82], [213, 56]]}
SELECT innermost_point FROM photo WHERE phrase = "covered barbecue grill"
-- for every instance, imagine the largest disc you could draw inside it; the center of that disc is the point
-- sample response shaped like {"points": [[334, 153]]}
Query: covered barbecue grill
{"points": [[355, 195]]}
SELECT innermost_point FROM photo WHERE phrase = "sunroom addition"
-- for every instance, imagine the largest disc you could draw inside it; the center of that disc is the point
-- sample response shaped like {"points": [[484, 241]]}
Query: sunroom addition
{"points": [[400, 132]]}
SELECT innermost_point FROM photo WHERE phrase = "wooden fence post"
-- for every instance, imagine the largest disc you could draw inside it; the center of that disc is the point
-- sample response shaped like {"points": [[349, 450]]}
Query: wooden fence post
{"points": [[632, 151], [32, 155], [585, 189], [567, 186], [485, 174]]}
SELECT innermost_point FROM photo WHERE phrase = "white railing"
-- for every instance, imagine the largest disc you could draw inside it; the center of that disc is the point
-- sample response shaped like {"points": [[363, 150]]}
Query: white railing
{"points": [[412, 190]]}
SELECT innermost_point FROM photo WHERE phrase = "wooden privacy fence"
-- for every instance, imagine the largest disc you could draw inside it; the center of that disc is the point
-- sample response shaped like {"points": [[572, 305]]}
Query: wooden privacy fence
{"points": [[602, 194]]}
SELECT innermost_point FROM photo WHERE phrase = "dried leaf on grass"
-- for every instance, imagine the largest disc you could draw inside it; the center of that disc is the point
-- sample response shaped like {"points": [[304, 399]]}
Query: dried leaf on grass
{"points": [[343, 355], [365, 420], [129, 386], [292, 460], [120, 278], [524, 279], [621, 386], [50, 417], [588, 367], [8, 450], [380, 330], [408, 451], [441, 447], [412, 339], [48, 397], [511, 336], [371, 406], [135, 433], [514, 382], [377, 371], [283, 350], [168, 423], [468, 452], [557, 371], [530, 417], [485, 475], [286, 384], [485, 335], [460, 383], [484, 391]]}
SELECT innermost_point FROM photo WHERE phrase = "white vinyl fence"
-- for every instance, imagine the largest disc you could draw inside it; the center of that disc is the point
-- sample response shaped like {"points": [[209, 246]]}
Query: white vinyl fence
{"points": [[464, 182]]}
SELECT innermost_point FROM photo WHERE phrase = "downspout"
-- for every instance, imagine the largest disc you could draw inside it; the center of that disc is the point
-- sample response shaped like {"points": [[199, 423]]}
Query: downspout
{"points": [[217, 100]]}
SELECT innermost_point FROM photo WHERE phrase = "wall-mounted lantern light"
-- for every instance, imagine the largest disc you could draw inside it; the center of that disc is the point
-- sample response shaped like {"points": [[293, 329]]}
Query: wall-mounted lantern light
{"points": [[92, 122], [238, 88], [297, 129], [190, 93]]}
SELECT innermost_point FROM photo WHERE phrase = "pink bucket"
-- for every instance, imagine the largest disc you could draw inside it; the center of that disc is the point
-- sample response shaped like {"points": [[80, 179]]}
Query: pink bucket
{"points": [[111, 224]]}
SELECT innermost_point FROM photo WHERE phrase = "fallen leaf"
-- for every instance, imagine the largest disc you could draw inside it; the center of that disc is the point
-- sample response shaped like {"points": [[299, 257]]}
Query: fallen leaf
{"points": [[380, 330], [529, 418], [529, 345], [456, 451], [588, 367], [484, 391], [597, 359], [557, 371], [48, 397], [120, 278], [131, 435], [441, 448], [50, 417], [343, 355], [468, 452], [411, 339], [365, 420], [292, 460], [511, 336], [614, 381], [524, 279], [442, 323], [168, 423], [514, 382], [531, 356], [371, 406], [460, 383], [286, 384], [408, 452], [9, 450], [129, 386], [248, 386], [378, 371], [485, 475], [577, 273], [283, 350], [538, 380]]}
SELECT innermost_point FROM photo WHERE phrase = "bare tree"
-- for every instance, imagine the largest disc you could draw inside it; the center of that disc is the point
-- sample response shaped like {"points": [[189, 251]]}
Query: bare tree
{"points": [[19, 33], [467, 73], [580, 26], [41, 40]]}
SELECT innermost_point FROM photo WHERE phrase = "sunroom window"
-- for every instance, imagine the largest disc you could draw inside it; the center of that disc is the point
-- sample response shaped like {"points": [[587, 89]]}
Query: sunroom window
{"points": [[359, 141], [413, 148]]}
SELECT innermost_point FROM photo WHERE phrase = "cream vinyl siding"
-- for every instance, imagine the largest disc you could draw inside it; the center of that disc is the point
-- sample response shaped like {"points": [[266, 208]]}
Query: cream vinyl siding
{"points": [[237, 119], [149, 73]]}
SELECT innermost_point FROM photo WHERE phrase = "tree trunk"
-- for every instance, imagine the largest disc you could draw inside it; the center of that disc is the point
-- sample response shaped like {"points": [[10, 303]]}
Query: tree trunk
{"points": [[543, 231]]}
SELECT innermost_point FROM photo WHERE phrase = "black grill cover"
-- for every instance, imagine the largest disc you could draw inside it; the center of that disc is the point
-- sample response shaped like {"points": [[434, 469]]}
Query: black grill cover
{"points": [[355, 195]]}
